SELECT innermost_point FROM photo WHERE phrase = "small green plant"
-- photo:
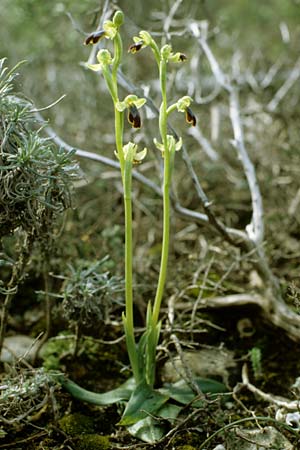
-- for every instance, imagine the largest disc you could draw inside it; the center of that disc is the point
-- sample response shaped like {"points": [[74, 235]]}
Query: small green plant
{"points": [[36, 181], [143, 402], [255, 357], [89, 292]]}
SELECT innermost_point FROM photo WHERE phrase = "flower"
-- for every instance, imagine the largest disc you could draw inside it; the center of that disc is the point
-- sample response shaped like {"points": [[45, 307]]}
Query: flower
{"points": [[131, 154], [168, 55], [172, 145], [183, 105], [109, 31], [143, 40], [132, 103], [104, 59]]}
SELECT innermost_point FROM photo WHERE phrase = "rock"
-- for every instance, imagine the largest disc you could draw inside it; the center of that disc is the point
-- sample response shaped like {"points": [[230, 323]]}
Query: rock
{"points": [[259, 439], [18, 347], [208, 362]]}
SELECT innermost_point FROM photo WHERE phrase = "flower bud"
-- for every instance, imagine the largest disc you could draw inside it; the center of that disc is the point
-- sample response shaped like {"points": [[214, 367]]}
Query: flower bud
{"points": [[104, 57], [166, 52], [118, 18]]}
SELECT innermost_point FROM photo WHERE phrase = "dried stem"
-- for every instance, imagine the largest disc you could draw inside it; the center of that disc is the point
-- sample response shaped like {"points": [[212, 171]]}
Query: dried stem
{"points": [[281, 402], [18, 273]]}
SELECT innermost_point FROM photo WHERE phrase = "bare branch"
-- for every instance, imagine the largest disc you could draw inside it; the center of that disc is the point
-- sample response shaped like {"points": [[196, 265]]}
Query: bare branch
{"points": [[283, 90], [205, 144], [255, 229], [275, 311], [281, 402], [169, 18]]}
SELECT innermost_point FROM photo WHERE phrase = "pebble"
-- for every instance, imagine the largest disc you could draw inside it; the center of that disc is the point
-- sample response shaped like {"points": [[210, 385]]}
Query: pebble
{"points": [[17, 347]]}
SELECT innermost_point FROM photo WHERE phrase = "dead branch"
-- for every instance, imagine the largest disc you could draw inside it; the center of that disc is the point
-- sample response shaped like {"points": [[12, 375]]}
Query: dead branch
{"points": [[276, 400], [275, 312]]}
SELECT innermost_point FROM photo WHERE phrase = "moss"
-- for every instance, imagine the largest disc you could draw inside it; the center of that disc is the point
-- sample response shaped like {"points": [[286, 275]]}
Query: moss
{"points": [[76, 424], [186, 447], [54, 349], [93, 442], [186, 441]]}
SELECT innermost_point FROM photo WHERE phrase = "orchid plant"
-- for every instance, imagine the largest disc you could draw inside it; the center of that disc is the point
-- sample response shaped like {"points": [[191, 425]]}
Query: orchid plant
{"points": [[143, 401]]}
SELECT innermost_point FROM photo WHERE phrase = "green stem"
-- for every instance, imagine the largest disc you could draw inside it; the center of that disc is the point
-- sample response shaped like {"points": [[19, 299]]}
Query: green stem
{"points": [[126, 172], [119, 124], [166, 195], [128, 322], [118, 52]]}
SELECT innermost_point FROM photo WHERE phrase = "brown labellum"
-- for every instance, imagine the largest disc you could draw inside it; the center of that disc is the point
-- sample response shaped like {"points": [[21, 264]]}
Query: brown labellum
{"points": [[190, 117], [134, 117], [182, 57], [94, 37], [136, 47]]}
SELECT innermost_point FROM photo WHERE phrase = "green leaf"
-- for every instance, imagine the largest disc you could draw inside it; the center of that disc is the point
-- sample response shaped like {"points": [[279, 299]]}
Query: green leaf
{"points": [[147, 430], [143, 401], [182, 392], [122, 393], [4, 262], [151, 430]]}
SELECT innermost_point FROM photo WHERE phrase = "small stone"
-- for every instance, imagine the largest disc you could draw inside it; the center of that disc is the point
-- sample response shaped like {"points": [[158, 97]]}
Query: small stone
{"points": [[207, 363], [268, 437], [18, 347]]}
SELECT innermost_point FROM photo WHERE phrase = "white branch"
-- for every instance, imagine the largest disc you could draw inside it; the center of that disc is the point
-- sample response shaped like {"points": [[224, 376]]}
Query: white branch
{"points": [[283, 90], [255, 229], [205, 144], [281, 402]]}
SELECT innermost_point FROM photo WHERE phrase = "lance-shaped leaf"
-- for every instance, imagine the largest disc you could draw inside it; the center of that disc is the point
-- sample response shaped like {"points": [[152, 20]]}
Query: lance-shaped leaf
{"points": [[122, 393], [143, 401], [183, 393], [151, 430]]}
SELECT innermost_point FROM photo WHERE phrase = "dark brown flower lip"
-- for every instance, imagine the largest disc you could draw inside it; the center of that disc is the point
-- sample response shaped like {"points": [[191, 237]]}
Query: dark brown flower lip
{"points": [[136, 47], [134, 117], [95, 37], [190, 117], [182, 57]]}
